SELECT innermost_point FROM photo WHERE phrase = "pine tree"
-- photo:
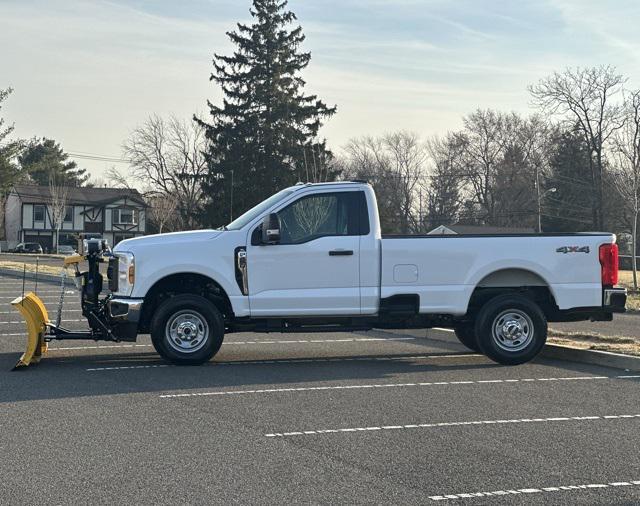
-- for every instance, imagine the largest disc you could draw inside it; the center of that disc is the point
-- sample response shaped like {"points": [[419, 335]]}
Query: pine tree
{"points": [[264, 136], [569, 207], [9, 171], [44, 159]]}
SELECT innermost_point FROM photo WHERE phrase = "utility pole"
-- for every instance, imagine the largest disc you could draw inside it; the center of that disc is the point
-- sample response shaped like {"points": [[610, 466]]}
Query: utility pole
{"points": [[420, 218], [231, 210], [538, 200]]}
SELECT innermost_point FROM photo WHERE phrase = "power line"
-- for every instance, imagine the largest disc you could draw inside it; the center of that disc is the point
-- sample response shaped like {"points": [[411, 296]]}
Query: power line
{"points": [[99, 158], [87, 156]]}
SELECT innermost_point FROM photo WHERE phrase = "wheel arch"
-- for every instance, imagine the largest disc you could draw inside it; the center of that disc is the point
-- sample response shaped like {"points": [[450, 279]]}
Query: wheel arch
{"points": [[184, 283], [524, 281]]}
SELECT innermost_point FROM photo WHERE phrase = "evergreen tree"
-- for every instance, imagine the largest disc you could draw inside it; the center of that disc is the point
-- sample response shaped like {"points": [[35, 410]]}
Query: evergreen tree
{"points": [[444, 197], [9, 171], [44, 159], [264, 136], [569, 207]]}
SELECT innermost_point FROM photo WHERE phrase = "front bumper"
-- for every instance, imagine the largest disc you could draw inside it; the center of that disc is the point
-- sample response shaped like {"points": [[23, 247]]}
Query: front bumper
{"points": [[124, 315], [124, 309], [614, 300]]}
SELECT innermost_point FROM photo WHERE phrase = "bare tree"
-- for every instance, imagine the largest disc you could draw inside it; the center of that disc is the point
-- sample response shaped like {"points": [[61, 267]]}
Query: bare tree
{"points": [[486, 138], [626, 176], [58, 205], [394, 165], [319, 165], [117, 179], [408, 157], [584, 96], [443, 193], [367, 159], [162, 211], [167, 157], [491, 171]]}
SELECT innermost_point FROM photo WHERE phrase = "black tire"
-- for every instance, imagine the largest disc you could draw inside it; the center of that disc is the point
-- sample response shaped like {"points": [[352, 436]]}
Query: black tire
{"points": [[466, 334], [178, 320], [511, 329]]}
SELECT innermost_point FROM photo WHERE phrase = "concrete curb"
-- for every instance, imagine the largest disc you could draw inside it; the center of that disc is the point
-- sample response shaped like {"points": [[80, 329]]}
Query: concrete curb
{"points": [[31, 276], [592, 357]]}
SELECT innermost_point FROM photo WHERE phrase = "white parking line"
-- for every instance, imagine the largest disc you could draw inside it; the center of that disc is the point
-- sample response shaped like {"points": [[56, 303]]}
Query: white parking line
{"points": [[309, 360], [387, 385], [349, 340], [99, 347], [451, 424], [557, 488], [50, 302], [22, 321], [6, 294], [63, 311], [29, 283]]}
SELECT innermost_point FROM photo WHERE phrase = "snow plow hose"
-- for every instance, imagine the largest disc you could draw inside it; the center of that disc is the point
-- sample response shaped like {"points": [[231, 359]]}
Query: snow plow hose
{"points": [[36, 318]]}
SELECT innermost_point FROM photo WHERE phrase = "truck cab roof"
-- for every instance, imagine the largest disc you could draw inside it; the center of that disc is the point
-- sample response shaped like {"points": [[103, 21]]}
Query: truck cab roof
{"points": [[355, 182]]}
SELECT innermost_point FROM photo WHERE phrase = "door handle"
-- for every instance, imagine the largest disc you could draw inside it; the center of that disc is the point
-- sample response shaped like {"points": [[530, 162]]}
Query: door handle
{"points": [[340, 252]]}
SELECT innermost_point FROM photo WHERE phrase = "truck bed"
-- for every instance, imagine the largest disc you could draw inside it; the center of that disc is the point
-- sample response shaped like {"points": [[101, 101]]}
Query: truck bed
{"points": [[444, 270]]}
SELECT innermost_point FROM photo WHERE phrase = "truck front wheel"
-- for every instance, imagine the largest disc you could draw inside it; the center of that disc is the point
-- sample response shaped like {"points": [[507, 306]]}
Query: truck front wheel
{"points": [[511, 329], [466, 334], [187, 330]]}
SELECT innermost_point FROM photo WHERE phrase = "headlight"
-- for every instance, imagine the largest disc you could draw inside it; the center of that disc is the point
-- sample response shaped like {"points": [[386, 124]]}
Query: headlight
{"points": [[126, 272]]}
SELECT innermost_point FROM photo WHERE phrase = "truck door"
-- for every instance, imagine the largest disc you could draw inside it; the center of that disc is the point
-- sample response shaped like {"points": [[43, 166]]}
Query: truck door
{"points": [[314, 268]]}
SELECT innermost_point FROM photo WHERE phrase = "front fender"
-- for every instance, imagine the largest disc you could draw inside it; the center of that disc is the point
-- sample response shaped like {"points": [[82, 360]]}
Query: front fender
{"points": [[147, 278]]}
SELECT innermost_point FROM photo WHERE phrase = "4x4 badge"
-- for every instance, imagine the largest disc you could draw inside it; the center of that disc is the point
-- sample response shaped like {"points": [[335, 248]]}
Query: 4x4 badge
{"points": [[573, 249]]}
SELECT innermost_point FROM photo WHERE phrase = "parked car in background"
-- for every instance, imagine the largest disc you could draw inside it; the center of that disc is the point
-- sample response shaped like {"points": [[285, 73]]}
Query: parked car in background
{"points": [[63, 249], [28, 247]]}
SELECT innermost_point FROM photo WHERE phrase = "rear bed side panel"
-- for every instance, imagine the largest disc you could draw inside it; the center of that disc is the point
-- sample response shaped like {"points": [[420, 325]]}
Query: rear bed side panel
{"points": [[448, 269]]}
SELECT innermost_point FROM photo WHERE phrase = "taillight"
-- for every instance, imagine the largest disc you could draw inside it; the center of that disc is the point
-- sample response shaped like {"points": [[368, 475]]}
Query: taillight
{"points": [[609, 264]]}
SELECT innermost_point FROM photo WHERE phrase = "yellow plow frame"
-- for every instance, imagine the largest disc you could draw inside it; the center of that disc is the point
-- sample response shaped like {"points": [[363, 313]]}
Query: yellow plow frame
{"points": [[37, 319], [40, 330]]}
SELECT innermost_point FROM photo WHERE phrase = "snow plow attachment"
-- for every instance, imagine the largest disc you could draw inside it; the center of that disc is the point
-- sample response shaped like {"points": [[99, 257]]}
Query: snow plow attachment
{"points": [[40, 330], [37, 319]]}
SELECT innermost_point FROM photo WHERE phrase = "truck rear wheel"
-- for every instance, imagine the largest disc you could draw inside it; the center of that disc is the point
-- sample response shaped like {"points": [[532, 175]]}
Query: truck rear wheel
{"points": [[466, 334], [187, 330], [511, 329]]}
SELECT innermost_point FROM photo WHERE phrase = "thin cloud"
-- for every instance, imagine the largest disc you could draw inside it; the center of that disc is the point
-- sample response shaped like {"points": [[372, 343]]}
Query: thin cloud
{"points": [[86, 72]]}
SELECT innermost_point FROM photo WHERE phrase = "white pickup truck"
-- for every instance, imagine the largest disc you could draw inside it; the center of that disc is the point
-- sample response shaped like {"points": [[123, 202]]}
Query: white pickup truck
{"points": [[312, 258]]}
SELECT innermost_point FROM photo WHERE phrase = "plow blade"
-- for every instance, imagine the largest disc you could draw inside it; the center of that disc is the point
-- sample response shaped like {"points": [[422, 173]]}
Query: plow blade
{"points": [[36, 318]]}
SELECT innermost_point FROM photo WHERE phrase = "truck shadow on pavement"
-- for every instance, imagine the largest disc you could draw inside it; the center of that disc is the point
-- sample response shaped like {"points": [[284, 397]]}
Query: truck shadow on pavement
{"points": [[60, 377], [143, 372]]}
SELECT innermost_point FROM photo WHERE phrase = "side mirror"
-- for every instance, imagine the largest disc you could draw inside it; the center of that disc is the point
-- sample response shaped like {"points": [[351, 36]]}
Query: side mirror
{"points": [[271, 229]]}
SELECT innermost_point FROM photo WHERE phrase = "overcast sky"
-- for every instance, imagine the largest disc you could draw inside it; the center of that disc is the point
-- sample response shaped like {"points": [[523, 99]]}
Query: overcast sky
{"points": [[86, 72]]}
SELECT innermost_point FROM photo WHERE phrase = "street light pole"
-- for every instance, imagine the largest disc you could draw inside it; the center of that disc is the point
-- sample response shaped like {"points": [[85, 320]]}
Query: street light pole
{"points": [[540, 197]]}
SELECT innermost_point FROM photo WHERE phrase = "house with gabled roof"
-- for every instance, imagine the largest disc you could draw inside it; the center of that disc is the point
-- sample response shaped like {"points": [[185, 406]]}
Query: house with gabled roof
{"points": [[457, 229], [113, 213]]}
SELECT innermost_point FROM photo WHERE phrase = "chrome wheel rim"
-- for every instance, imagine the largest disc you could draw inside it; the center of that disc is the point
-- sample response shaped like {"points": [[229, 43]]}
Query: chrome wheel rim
{"points": [[187, 331], [512, 330]]}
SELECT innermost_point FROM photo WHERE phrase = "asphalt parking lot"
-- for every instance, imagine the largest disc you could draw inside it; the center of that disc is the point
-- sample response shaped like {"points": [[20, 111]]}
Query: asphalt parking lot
{"points": [[357, 418]]}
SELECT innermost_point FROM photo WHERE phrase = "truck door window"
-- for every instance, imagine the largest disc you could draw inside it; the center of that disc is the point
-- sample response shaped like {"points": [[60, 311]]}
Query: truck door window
{"points": [[314, 216]]}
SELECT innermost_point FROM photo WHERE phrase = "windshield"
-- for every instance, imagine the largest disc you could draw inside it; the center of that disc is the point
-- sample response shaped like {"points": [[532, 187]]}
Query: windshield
{"points": [[256, 211]]}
